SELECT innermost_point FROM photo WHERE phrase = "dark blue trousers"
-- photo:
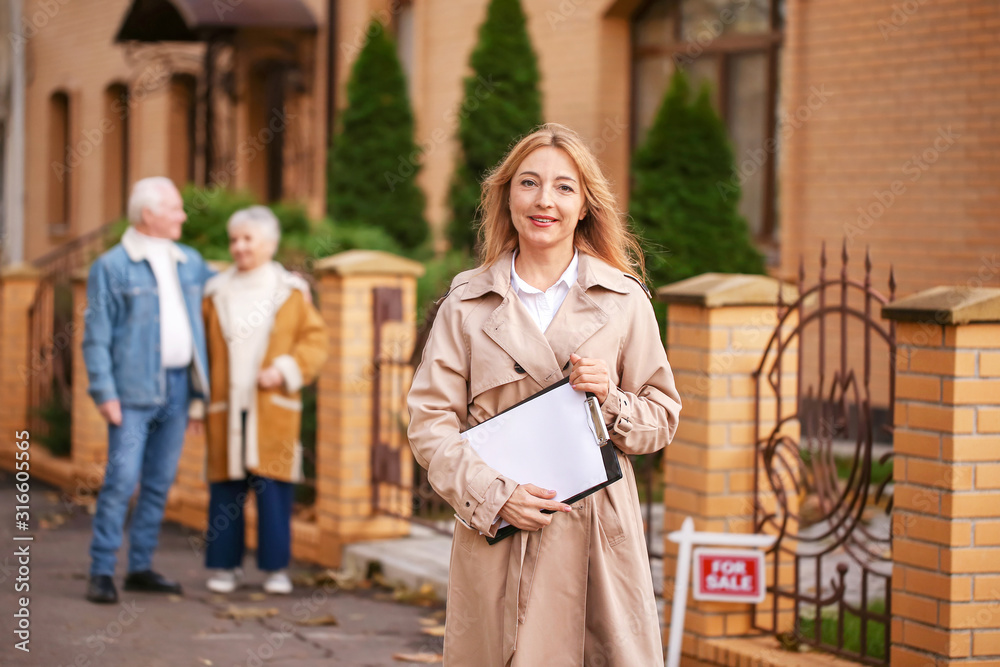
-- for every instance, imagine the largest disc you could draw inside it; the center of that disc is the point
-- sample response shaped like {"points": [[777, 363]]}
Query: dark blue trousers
{"points": [[225, 536]]}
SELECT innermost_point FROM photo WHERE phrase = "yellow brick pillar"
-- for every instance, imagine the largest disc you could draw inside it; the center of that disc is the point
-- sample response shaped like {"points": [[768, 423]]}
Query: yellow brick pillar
{"points": [[18, 284], [345, 402], [89, 430], [946, 513], [717, 330]]}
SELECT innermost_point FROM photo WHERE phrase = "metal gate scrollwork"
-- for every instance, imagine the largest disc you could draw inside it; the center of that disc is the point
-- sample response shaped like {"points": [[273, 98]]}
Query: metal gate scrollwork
{"points": [[819, 481]]}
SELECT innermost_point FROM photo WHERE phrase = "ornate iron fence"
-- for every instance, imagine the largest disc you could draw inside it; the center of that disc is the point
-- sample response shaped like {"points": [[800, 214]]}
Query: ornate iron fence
{"points": [[49, 374], [818, 483]]}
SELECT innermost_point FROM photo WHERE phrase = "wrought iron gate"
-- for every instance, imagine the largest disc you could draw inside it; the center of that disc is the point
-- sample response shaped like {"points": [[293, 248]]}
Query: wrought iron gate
{"points": [[815, 478], [49, 374], [399, 485]]}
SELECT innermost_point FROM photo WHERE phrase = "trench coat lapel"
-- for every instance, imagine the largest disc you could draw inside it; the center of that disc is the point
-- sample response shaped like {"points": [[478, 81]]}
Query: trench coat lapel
{"points": [[511, 327], [578, 319]]}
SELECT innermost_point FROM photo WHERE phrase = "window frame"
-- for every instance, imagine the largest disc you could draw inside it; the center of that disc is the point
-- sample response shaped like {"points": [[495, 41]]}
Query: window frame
{"points": [[769, 43]]}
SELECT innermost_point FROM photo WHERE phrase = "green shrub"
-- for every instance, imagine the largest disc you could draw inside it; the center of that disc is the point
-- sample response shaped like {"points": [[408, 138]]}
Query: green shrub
{"points": [[502, 103], [437, 278], [687, 226], [374, 161]]}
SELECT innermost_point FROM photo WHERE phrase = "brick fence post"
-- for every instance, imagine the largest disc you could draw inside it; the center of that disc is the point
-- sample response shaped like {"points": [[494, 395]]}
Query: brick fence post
{"points": [[717, 330], [345, 405], [18, 284], [946, 508]]}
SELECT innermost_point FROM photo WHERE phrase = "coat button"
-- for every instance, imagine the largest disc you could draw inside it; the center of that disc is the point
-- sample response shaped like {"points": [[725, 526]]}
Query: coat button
{"points": [[467, 503]]}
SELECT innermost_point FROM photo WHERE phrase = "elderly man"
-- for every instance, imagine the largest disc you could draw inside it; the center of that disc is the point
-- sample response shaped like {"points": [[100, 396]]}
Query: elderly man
{"points": [[144, 347]]}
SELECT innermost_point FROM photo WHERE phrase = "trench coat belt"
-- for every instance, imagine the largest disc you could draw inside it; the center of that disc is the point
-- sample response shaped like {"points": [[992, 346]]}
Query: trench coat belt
{"points": [[520, 575]]}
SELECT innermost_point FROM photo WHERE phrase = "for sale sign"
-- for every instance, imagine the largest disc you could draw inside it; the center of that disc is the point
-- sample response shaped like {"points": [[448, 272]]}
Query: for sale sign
{"points": [[729, 575]]}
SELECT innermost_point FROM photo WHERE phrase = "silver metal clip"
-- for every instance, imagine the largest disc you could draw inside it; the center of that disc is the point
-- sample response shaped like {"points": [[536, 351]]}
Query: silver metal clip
{"points": [[600, 429]]}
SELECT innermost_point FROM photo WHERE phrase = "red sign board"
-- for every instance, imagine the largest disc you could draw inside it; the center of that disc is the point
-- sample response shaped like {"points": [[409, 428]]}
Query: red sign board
{"points": [[729, 575]]}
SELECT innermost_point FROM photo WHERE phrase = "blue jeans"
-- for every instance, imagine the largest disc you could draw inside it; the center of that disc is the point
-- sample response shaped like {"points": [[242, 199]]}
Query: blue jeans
{"points": [[226, 523], [143, 451]]}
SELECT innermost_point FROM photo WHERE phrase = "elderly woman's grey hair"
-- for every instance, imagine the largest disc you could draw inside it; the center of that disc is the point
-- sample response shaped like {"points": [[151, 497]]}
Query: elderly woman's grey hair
{"points": [[258, 216], [147, 193]]}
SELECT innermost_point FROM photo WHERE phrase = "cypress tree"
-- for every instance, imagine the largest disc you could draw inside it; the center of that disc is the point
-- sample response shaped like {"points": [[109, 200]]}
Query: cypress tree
{"points": [[684, 201], [374, 161], [502, 103]]}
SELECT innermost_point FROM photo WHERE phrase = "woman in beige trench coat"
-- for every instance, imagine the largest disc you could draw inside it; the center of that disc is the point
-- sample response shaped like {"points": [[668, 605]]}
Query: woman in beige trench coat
{"points": [[558, 293]]}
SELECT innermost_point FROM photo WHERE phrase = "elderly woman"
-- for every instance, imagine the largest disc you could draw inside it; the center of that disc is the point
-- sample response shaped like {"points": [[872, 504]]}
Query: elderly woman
{"points": [[265, 341], [559, 292]]}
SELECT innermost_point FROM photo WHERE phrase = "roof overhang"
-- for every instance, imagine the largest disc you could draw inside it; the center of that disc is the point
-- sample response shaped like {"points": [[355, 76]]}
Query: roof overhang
{"points": [[194, 20]]}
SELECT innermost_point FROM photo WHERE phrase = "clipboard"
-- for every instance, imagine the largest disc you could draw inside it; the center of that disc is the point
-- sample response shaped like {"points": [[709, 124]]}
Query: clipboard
{"points": [[555, 439]]}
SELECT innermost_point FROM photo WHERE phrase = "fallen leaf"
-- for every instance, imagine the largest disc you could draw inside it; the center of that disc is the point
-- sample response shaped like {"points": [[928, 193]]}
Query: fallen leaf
{"points": [[436, 631], [422, 597], [328, 619], [205, 661], [257, 597], [427, 621], [238, 613], [423, 658]]}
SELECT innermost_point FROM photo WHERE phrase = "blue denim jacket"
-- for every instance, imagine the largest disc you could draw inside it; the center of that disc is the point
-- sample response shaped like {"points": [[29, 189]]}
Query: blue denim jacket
{"points": [[121, 338]]}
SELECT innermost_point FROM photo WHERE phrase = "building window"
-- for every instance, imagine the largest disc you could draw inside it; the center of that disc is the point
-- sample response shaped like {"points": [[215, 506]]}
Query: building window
{"points": [[734, 46], [266, 140], [60, 165], [116, 143], [182, 145]]}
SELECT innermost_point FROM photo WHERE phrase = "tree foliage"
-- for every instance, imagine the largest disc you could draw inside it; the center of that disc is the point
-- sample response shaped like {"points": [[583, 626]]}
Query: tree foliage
{"points": [[684, 204], [374, 161], [502, 103]]}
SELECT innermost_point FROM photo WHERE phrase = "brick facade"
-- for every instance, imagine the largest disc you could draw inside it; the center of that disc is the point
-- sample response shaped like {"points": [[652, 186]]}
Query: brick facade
{"points": [[882, 109]]}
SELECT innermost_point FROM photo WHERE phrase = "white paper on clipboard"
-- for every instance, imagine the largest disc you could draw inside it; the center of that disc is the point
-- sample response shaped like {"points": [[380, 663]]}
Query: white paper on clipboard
{"points": [[550, 441]]}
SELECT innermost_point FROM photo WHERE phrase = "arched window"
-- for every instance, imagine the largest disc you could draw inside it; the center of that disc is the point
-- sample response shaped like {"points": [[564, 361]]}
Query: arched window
{"points": [[735, 46], [116, 144], [265, 145], [60, 165], [182, 144]]}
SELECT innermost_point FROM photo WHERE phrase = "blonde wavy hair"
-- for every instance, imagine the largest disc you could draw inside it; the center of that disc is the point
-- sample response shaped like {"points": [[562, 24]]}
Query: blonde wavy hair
{"points": [[602, 233]]}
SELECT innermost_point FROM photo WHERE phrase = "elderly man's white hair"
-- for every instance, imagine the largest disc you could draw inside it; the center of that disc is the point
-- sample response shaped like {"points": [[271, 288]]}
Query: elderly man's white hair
{"points": [[258, 216], [147, 193]]}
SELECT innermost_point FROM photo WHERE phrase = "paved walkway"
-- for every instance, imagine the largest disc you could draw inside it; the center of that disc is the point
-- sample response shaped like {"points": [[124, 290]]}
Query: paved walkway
{"points": [[145, 630]]}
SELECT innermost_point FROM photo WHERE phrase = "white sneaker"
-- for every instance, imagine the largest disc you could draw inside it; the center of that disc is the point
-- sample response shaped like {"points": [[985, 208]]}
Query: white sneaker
{"points": [[225, 581], [278, 583]]}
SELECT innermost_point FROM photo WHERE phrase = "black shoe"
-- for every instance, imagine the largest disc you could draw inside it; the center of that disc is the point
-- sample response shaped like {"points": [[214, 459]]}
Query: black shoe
{"points": [[151, 582], [101, 589]]}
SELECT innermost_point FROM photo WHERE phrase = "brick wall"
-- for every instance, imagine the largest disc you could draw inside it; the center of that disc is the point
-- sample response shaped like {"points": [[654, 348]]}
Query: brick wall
{"points": [[907, 133]]}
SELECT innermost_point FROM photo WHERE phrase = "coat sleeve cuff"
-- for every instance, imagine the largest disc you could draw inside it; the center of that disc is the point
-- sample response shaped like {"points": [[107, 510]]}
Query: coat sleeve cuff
{"points": [[617, 411], [289, 369], [102, 396], [196, 409], [488, 512], [483, 497]]}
